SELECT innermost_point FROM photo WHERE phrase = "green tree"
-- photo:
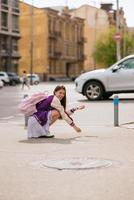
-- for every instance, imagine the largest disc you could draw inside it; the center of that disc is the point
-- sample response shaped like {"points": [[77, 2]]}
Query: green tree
{"points": [[127, 44], [105, 50]]}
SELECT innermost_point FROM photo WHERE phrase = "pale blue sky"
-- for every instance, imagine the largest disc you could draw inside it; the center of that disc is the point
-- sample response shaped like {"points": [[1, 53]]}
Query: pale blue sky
{"points": [[128, 5]]}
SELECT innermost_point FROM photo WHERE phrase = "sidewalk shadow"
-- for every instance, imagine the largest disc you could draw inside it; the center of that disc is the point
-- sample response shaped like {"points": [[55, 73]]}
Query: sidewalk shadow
{"points": [[50, 140], [54, 140]]}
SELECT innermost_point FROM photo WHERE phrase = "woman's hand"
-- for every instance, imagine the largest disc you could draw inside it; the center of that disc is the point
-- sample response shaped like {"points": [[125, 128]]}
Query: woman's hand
{"points": [[77, 129], [81, 107]]}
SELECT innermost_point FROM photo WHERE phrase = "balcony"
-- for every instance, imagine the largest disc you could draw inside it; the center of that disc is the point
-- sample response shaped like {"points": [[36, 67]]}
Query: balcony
{"points": [[15, 30], [4, 53], [15, 54], [16, 10], [52, 36], [15, 6], [82, 40], [57, 33], [4, 28], [82, 57], [55, 55], [4, 4]]}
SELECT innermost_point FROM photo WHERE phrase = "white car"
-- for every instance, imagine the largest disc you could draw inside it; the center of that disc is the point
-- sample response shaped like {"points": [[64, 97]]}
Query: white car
{"points": [[103, 83], [35, 78], [4, 77], [1, 84]]}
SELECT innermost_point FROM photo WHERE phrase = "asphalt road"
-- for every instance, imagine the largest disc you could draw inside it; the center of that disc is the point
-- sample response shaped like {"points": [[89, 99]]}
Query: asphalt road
{"points": [[9, 99], [96, 113]]}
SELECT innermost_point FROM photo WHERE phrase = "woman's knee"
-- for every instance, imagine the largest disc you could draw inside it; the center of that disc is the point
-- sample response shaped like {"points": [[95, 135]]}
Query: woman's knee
{"points": [[55, 113]]}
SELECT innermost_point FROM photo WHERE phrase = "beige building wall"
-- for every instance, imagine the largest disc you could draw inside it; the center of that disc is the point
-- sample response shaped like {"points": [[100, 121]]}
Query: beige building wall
{"points": [[96, 23], [57, 38], [66, 52], [34, 31]]}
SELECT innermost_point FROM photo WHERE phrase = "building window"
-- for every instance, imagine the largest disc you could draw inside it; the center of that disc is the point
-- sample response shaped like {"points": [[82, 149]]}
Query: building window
{"points": [[4, 1], [4, 20], [49, 25], [3, 43], [15, 23], [15, 45], [66, 49], [15, 4]]}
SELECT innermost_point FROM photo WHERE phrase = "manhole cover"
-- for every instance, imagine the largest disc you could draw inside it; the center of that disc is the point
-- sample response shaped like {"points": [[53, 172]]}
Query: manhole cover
{"points": [[76, 163]]}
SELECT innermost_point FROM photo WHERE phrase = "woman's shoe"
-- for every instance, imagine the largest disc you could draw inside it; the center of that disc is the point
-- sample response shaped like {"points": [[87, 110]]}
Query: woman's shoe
{"points": [[46, 136]]}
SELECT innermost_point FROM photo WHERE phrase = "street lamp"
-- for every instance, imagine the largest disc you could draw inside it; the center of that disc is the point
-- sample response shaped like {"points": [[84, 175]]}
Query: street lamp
{"points": [[118, 54], [95, 32], [31, 43]]}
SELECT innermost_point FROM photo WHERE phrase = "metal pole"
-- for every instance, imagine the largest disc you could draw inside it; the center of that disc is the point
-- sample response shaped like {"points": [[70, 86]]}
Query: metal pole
{"points": [[118, 54], [31, 44], [95, 34], [95, 31], [0, 55], [9, 61], [116, 108], [124, 41]]}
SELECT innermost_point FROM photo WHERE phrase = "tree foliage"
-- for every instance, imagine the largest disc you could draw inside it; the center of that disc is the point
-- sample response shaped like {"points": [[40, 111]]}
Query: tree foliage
{"points": [[127, 44], [105, 50]]}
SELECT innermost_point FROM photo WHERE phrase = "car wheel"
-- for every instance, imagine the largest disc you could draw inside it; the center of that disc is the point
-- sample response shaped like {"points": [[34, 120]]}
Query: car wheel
{"points": [[4, 83], [93, 90], [13, 83], [36, 82]]}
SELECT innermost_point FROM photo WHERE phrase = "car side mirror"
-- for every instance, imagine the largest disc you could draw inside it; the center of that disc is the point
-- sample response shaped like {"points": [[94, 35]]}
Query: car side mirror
{"points": [[115, 69]]}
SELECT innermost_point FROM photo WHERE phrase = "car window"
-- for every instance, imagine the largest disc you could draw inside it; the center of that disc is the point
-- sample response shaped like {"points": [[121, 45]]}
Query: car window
{"points": [[127, 64], [1, 74], [31, 76], [11, 74]]}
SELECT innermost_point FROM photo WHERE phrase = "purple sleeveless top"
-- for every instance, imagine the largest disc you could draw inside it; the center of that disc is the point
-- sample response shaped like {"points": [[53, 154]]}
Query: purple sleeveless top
{"points": [[43, 108]]}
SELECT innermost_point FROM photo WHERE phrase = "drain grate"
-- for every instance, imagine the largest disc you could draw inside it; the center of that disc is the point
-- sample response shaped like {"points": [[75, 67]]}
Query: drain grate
{"points": [[77, 163]]}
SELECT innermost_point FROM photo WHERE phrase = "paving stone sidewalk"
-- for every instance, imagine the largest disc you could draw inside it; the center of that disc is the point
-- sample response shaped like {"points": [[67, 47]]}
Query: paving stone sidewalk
{"points": [[24, 177]]}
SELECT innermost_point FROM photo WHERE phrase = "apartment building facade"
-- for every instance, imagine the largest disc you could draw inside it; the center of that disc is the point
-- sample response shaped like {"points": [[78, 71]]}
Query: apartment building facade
{"points": [[9, 35], [57, 42], [96, 23], [33, 45], [66, 43]]}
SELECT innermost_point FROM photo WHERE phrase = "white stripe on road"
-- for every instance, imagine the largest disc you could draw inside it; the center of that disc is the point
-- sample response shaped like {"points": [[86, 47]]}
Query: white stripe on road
{"points": [[6, 118]]}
